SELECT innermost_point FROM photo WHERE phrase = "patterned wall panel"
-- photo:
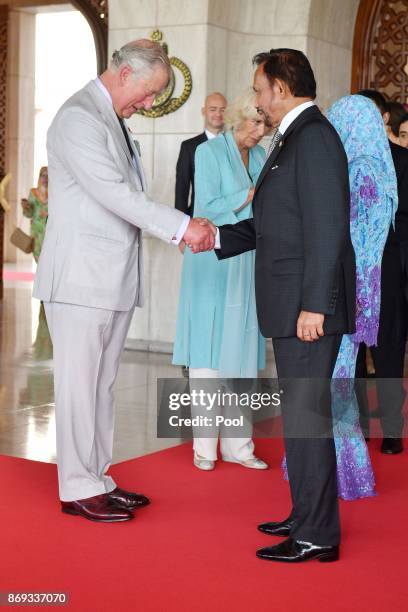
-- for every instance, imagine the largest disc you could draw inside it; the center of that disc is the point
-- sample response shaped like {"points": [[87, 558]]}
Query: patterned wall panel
{"points": [[381, 48], [3, 86]]}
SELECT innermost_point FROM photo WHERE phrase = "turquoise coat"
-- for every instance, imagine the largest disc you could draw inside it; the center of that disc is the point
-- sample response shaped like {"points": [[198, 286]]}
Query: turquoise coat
{"points": [[217, 326]]}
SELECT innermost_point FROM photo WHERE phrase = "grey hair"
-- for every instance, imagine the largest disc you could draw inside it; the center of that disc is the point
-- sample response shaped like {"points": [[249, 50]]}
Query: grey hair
{"points": [[141, 55]]}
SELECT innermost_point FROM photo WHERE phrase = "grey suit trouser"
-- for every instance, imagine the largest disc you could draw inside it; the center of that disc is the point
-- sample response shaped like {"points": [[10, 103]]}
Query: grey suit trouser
{"points": [[88, 343]]}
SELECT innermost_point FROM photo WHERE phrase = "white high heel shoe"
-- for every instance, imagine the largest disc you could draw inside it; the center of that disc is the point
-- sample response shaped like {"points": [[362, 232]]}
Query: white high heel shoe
{"points": [[203, 464], [253, 462]]}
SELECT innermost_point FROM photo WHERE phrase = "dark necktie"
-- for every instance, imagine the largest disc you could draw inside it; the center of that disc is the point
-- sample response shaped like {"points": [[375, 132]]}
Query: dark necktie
{"points": [[127, 138], [126, 135]]}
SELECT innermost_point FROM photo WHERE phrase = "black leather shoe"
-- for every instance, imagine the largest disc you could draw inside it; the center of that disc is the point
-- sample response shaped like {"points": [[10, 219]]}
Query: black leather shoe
{"points": [[295, 551], [392, 446], [98, 508], [128, 500], [277, 529]]}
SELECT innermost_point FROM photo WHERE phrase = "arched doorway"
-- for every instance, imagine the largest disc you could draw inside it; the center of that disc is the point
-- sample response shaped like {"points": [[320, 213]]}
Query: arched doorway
{"points": [[380, 51], [96, 14]]}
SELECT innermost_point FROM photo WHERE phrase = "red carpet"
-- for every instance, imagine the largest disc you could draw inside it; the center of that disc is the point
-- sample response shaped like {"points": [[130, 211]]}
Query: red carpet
{"points": [[194, 548], [12, 275]]}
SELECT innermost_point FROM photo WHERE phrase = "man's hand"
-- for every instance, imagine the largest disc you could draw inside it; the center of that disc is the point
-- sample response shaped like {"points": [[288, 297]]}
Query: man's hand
{"points": [[200, 235], [182, 247], [310, 326]]}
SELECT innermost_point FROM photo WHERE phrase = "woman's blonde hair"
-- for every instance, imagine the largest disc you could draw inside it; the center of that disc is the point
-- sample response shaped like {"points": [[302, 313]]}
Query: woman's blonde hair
{"points": [[243, 107]]}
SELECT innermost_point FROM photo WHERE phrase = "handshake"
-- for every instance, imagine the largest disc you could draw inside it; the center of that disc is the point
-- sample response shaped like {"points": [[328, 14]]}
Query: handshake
{"points": [[199, 235]]}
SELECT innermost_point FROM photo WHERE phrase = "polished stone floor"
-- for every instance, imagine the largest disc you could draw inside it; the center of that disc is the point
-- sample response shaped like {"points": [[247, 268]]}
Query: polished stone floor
{"points": [[27, 422]]}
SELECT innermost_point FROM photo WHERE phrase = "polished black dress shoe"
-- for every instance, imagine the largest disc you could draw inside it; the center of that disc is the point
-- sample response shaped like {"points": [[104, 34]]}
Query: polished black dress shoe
{"points": [[295, 551], [277, 529], [392, 446], [99, 508], [128, 500]]}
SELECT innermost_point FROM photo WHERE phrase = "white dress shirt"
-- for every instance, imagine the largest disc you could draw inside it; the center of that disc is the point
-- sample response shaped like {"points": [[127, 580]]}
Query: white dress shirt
{"points": [[292, 115], [284, 124], [184, 224], [210, 135]]}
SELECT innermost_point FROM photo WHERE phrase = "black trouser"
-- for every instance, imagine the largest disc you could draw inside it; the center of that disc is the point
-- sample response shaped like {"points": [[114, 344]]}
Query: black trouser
{"points": [[306, 411], [388, 355]]}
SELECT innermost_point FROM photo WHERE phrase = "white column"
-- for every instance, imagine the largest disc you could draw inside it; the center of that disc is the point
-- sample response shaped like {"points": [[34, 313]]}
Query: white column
{"points": [[20, 121]]}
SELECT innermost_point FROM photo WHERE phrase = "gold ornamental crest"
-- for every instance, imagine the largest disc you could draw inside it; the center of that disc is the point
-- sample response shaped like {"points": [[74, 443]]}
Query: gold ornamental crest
{"points": [[165, 104]]}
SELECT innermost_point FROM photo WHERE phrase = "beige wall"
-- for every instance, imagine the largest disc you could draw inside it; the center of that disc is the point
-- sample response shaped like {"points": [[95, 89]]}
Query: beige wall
{"points": [[217, 39], [329, 46], [185, 27]]}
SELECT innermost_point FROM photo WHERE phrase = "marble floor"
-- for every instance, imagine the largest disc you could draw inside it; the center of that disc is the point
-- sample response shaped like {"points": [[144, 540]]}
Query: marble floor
{"points": [[27, 422]]}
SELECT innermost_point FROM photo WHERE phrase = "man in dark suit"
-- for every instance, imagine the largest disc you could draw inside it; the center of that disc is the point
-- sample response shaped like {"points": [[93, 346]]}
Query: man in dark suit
{"points": [[213, 113], [389, 354], [305, 290]]}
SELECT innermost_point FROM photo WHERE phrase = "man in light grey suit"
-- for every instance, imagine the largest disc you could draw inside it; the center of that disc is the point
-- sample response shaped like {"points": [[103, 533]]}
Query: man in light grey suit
{"points": [[91, 267]]}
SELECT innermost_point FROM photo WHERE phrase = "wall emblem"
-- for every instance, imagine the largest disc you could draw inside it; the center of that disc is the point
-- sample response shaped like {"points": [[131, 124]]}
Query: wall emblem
{"points": [[165, 103]]}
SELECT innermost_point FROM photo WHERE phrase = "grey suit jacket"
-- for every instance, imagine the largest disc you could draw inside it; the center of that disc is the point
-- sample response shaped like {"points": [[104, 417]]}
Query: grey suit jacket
{"points": [[97, 206]]}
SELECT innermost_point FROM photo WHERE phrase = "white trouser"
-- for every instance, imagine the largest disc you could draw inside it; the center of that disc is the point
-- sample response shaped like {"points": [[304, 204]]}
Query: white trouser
{"points": [[87, 343], [240, 449]]}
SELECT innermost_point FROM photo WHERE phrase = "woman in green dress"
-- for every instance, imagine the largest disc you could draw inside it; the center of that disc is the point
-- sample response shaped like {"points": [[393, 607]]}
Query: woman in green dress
{"points": [[36, 209]]}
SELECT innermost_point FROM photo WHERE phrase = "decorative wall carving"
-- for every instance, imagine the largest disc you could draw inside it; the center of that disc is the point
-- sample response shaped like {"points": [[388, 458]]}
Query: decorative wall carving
{"points": [[97, 14], [3, 91], [380, 55], [164, 103]]}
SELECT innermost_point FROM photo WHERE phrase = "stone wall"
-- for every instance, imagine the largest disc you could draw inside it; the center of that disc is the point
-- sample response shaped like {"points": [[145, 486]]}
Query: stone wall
{"points": [[217, 39]]}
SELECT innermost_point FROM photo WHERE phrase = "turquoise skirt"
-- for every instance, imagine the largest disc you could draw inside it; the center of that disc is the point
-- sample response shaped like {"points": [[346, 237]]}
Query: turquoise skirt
{"points": [[217, 326]]}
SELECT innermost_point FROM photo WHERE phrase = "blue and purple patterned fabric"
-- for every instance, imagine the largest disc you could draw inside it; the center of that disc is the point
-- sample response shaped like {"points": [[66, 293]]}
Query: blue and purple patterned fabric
{"points": [[373, 204]]}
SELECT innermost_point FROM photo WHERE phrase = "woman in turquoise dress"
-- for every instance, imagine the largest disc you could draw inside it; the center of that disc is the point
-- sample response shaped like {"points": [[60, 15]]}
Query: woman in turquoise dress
{"points": [[373, 204], [217, 333]]}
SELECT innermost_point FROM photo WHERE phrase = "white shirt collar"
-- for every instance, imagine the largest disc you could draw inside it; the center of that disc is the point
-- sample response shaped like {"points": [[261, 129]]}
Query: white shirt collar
{"points": [[103, 89], [210, 135], [292, 115]]}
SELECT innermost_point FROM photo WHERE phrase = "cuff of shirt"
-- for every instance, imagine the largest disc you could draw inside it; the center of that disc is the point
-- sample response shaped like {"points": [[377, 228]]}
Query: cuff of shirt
{"points": [[217, 244], [181, 230]]}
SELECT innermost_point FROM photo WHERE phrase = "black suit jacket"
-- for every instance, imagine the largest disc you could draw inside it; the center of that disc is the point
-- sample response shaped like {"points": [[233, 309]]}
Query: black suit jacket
{"points": [[400, 159], [185, 174], [301, 231]]}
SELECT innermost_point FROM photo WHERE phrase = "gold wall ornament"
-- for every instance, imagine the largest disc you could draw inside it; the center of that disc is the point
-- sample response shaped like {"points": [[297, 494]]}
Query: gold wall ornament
{"points": [[164, 104], [3, 185]]}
